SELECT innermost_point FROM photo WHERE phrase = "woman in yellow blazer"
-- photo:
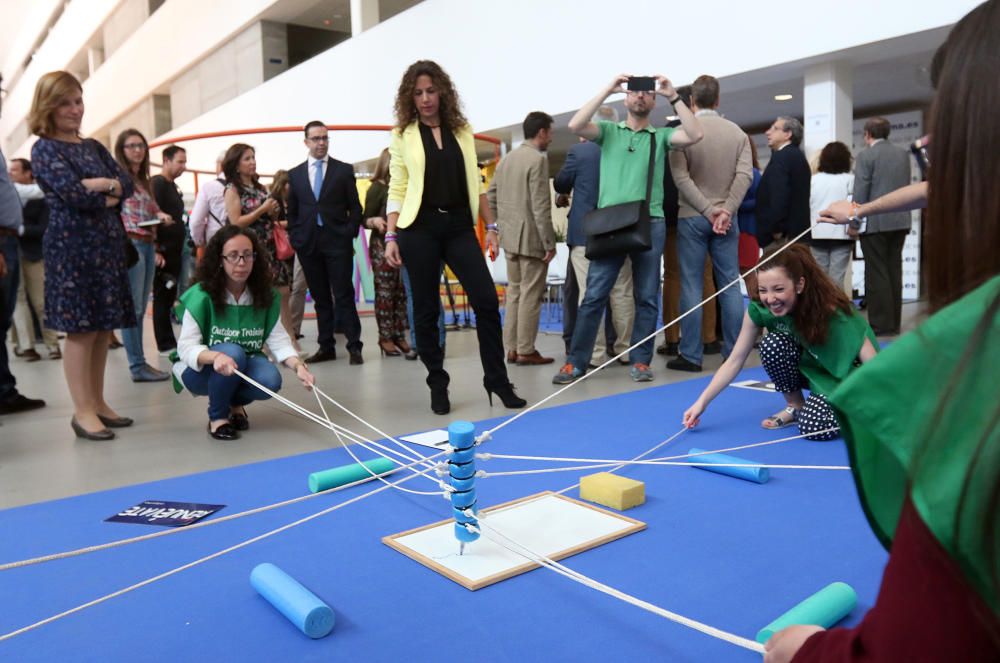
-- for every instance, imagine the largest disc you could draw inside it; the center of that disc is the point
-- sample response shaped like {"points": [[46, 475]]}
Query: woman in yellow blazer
{"points": [[435, 195]]}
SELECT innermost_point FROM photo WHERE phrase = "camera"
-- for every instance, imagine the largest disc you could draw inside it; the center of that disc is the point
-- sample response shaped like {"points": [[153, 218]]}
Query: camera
{"points": [[641, 84]]}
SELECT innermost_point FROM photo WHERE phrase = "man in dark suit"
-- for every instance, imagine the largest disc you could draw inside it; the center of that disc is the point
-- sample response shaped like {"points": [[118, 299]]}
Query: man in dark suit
{"points": [[324, 216], [879, 169], [783, 192]]}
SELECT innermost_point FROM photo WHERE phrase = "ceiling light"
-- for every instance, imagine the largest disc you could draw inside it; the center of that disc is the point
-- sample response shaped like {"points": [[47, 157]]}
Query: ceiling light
{"points": [[782, 97], [327, 22]]}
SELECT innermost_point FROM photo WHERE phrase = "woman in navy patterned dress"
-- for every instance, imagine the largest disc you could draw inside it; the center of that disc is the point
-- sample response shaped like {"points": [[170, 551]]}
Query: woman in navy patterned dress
{"points": [[86, 283]]}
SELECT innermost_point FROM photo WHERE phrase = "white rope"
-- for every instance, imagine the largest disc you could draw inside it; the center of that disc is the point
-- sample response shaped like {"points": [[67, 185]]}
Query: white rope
{"points": [[205, 523], [614, 359], [639, 457], [374, 474], [365, 422], [577, 468], [565, 571], [336, 428], [167, 574]]}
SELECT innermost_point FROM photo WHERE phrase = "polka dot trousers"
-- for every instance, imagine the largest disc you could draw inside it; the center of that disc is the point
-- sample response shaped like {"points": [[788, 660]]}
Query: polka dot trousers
{"points": [[779, 354]]}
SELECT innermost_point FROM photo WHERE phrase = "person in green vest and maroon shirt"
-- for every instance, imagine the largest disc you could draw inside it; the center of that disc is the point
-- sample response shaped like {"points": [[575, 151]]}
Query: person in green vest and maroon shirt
{"points": [[227, 318], [922, 420]]}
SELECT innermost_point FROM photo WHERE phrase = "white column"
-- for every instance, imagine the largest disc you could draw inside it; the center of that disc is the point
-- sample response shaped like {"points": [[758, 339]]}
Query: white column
{"points": [[516, 136], [828, 105], [364, 15]]}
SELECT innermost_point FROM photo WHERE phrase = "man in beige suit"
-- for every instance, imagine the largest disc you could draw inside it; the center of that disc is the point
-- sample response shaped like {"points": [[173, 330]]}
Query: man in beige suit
{"points": [[712, 177], [521, 203]]}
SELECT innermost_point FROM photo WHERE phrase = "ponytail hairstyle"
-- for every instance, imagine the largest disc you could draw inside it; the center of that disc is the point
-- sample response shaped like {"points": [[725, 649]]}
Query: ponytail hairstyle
{"points": [[820, 297]]}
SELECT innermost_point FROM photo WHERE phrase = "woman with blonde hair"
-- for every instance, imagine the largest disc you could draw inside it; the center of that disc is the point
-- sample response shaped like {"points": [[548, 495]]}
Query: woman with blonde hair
{"points": [[435, 197], [86, 283], [390, 296]]}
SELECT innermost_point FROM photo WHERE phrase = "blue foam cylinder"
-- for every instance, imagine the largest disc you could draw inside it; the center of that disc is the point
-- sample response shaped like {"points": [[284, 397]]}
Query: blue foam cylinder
{"points": [[463, 499], [463, 484], [462, 470], [824, 608], [464, 535], [461, 434], [755, 474], [463, 455], [303, 608]]}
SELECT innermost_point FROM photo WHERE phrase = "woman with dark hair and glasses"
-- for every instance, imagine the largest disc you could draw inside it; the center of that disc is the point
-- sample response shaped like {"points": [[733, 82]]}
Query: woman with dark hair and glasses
{"points": [[435, 196], [228, 317], [140, 217], [922, 419]]}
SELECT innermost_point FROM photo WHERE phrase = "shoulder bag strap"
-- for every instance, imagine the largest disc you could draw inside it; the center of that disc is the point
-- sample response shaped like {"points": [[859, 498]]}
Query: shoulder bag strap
{"points": [[652, 162]]}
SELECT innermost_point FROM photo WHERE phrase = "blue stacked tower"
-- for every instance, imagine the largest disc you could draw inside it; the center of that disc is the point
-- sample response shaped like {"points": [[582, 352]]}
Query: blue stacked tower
{"points": [[462, 470]]}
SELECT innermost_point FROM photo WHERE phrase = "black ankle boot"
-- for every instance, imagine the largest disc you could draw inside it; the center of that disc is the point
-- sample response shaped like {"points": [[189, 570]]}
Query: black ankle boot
{"points": [[506, 395], [439, 400]]}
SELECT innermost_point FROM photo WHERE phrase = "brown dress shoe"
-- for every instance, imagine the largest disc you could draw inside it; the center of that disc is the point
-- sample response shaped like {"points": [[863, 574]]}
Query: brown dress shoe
{"points": [[511, 356], [534, 359]]}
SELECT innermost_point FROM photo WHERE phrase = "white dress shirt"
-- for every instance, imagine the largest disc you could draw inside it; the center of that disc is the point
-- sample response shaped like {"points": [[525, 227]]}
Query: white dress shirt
{"points": [[211, 198], [824, 190]]}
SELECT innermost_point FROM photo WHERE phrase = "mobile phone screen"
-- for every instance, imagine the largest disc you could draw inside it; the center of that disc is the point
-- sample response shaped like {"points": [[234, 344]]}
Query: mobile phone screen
{"points": [[641, 83]]}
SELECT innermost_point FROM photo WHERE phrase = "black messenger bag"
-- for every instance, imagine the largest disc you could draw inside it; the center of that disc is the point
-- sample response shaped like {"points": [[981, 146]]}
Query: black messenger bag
{"points": [[623, 228]]}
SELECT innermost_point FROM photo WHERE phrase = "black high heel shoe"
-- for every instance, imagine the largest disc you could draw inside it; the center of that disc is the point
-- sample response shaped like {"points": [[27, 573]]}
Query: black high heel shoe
{"points": [[506, 395], [439, 400]]}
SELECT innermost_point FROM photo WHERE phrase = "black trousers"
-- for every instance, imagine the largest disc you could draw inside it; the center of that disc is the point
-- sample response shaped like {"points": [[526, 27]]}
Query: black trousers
{"points": [[164, 297], [884, 279], [329, 272], [449, 236]]}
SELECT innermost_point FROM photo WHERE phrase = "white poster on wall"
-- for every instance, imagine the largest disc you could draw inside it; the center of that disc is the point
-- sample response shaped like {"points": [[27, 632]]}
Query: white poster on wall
{"points": [[906, 128]]}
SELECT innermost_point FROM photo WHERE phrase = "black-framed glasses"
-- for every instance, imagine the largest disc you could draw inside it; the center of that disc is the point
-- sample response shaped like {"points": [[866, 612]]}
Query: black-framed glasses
{"points": [[237, 258], [319, 139]]}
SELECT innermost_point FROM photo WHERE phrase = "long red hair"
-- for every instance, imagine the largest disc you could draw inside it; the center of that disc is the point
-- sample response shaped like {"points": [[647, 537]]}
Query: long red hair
{"points": [[820, 297]]}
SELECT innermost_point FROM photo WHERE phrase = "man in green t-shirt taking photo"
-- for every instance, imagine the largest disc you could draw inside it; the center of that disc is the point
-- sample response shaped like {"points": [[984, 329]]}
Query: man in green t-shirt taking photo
{"points": [[624, 172]]}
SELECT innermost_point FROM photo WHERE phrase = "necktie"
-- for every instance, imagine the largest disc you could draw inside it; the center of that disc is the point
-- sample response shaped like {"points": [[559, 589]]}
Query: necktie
{"points": [[317, 185]]}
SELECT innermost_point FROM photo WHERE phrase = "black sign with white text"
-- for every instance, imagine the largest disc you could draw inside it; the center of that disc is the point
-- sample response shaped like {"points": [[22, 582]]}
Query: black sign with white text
{"points": [[167, 514]]}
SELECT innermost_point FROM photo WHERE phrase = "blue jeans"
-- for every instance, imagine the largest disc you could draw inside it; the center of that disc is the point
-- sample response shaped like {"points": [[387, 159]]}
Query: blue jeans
{"points": [[140, 281], [225, 392], [601, 277], [695, 240], [409, 313]]}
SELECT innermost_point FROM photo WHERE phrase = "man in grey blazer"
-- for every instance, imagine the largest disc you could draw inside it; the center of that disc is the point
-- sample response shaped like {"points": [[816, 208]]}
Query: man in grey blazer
{"points": [[879, 169], [522, 205]]}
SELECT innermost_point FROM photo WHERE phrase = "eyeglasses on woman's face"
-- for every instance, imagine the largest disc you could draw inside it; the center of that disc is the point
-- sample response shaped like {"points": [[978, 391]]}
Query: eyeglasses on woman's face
{"points": [[235, 258], [134, 146]]}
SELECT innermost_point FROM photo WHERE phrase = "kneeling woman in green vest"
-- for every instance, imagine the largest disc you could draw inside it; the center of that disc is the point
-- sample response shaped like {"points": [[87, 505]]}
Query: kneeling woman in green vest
{"points": [[814, 340], [229, 315]]}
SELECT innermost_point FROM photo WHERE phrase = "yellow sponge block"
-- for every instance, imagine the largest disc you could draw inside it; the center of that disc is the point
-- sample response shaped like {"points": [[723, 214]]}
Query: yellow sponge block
{"points": [[612, 490]]}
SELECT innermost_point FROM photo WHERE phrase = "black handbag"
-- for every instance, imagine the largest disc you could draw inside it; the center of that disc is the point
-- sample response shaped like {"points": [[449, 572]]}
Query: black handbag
{"points": [[622, 228]]}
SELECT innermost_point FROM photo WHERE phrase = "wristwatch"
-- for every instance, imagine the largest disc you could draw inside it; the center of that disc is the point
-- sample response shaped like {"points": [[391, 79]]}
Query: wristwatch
{"points": [[853, 220]]}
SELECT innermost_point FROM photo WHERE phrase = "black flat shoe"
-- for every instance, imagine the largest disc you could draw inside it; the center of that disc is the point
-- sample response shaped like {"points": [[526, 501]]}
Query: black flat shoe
{"points": [[223, 432], [117, 422], [239, 421], [506, 395], [682, 364], [84, 434], [321, 355], [439, 400]]}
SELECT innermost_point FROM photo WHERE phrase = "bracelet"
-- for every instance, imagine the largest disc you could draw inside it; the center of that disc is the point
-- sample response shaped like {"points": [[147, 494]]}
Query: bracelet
{"points": [[491, 227], [674, 100], [390, 236]]}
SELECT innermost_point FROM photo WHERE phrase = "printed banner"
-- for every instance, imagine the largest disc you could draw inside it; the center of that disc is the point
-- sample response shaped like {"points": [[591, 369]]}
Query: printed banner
{"points": [[167, 514]]}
